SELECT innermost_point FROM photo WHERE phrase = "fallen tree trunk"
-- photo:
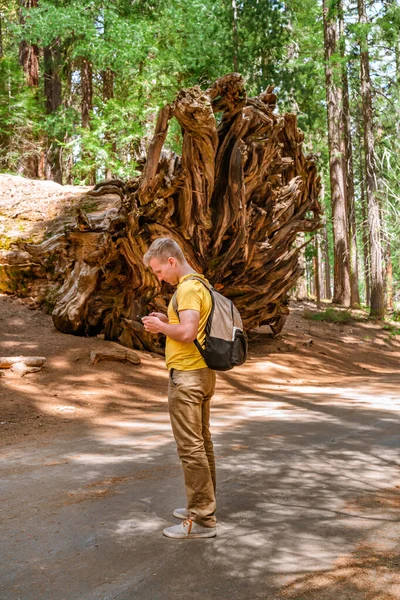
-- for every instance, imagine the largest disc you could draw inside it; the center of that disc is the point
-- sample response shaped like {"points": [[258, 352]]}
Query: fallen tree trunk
{"points": [[115, 354], [235, 201], [6, 362]]}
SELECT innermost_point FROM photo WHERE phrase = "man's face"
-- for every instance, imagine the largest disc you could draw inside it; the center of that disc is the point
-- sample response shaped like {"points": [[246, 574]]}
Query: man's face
{"points": [[166, 270]]}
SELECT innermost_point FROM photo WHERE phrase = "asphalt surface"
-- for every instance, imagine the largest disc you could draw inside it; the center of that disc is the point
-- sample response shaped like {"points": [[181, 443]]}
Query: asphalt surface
{"points": [[307, 482]]}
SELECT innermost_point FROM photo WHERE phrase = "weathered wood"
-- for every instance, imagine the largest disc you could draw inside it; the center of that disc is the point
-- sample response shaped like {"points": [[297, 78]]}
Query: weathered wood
{"points": [[21, 369], [30, 361], [235, 200], [115, 354]]}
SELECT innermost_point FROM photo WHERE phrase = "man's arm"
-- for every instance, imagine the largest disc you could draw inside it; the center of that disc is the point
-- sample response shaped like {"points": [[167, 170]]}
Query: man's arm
{"points": [[185, 331]]}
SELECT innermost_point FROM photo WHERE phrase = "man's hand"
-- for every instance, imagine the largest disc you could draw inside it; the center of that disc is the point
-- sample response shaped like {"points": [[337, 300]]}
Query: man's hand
{"points": [[185, 331], [160, 316], [153, 324]]}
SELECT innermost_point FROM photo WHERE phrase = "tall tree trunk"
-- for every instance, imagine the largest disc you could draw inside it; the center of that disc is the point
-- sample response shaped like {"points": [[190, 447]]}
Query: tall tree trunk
{"points": [[321, 274], [337, 177], [108, 94], [87, 106], [1, 36], [86, 91], [349, 170], [365, 236], [300, 289], [29, 53], [374, 223], [397, 55], [309, 280], [52, 92], [317, 286], [327, 261], [235, 37], [325, 249], [389, 276], [397, 59], [29, 61], [68, 158]]}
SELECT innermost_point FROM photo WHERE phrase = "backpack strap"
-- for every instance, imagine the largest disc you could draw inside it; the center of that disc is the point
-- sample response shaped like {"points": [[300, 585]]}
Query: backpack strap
{"points": [[203, 281], [174, 299]]}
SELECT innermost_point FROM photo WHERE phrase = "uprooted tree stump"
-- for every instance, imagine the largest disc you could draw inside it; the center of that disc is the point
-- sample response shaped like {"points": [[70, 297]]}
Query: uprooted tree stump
{"points": [[235, 201]]}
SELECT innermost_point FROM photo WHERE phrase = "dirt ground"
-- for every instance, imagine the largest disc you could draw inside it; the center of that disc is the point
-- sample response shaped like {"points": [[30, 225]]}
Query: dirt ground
{"points": [[307, 441]]}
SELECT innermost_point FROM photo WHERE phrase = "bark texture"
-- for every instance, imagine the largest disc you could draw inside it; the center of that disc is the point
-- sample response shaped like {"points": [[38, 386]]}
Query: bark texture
{"points": [[348, 168], [86, 110], [374, 220], [108, 94], [235, 201], [52, 92], [341, 291], [29, 164], [29, 53]]}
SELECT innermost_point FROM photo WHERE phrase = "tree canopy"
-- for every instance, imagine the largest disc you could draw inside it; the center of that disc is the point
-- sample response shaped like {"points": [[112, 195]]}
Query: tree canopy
{"points": [[82, 82]]}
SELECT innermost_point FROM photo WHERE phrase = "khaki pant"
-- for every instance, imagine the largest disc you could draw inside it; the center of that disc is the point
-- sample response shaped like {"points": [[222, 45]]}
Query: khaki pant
{"points": [[189, 395]]}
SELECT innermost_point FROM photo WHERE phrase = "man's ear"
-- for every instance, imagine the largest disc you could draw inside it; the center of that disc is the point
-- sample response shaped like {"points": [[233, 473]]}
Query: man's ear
{"points": [[172, 261]]}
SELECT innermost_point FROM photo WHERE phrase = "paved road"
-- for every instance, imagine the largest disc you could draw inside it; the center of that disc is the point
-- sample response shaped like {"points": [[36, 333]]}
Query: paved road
{"points": [[307, 497]]}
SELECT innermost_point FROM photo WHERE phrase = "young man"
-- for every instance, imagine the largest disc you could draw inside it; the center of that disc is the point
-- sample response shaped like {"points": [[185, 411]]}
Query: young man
{"points": [[191, 386]]}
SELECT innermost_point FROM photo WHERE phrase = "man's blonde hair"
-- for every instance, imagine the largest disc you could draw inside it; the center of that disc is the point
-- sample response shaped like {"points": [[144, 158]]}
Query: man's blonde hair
{"points": [[163, 248]]}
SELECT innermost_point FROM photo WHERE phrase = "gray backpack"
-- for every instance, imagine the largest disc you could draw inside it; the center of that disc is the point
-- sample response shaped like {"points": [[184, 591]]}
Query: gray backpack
{"points": [[225, 344]]}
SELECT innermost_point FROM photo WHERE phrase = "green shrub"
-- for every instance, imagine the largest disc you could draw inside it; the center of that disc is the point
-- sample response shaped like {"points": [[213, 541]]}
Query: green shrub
{"points": [[395, 316], [331, 315], [393, 330]]}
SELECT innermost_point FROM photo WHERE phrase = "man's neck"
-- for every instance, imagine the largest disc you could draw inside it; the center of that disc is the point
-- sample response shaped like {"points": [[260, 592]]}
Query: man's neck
{"points": [[186, 269]]}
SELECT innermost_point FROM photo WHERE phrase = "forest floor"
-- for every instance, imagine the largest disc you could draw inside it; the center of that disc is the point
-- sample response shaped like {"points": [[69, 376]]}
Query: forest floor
{"points": [[307, 441]]}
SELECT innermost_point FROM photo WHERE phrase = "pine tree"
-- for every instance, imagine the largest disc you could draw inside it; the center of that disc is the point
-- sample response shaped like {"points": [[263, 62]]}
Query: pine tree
{"points": [[337, 176], [374, 220]]}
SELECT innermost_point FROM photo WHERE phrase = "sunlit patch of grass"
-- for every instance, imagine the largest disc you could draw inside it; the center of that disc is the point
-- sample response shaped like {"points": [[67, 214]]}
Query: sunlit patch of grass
{"points": [[392, 329], [395, 316], [330, 315]]}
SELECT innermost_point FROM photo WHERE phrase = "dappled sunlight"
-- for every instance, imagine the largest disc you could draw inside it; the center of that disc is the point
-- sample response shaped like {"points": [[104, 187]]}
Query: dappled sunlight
{"points": [[265, 366], [12, 345], [137, 425], [277, 489], [307, 467], [130, 528], [338, 394], [254, 408], [99, 459], [248, 552], [370, 572], [71, 411]]}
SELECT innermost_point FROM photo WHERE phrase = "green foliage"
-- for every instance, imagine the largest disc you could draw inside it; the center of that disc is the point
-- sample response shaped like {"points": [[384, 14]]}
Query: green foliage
{"points": [[330, 315], [20, 117], [155, 47], [392, 329], [395, 316]]}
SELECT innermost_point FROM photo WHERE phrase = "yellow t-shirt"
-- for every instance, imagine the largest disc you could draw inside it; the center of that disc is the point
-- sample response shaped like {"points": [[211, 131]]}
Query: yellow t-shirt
{"points": [[191, 295]]}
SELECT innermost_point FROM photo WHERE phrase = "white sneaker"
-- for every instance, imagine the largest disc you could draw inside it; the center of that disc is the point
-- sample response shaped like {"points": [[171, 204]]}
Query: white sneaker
{"points": [[181, 513], [189, 529]]}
